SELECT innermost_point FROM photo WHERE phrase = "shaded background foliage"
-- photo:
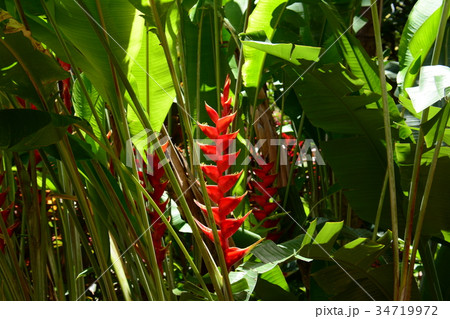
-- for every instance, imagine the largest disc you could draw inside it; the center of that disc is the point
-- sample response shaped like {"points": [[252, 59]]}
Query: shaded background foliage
{"points": [[78, 106]]}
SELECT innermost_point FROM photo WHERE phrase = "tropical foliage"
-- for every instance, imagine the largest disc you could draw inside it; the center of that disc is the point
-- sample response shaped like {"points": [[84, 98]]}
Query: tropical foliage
{"points": [[224, 150]]}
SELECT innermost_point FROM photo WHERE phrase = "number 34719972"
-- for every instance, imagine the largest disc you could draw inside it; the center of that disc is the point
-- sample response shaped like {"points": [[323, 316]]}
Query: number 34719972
{"points": [[407, 310]]}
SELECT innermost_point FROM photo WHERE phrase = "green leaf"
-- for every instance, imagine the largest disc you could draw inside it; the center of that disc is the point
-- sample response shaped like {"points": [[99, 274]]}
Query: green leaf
{"points": [[176, 220], [243, 283], [437, 217], [287, 51], [361, 173], [434, 124], [81, 149], [419, 34], [256, 266], [265, 290], [331, 100], [376, 283], [322, 245], [441, 261], [434, 80], [361, 252], [269, 252], [359, 62], [155, 87], [342, 109], [25, 129], [200, 60], [25, 70], [244, 238], [81, 106], [275, 276], [265, 17], [125, 32], [144, 7], [309, 234], [85, 272], [191, 292]]}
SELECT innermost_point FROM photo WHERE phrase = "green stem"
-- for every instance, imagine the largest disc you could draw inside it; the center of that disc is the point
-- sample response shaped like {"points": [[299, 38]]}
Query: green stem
{"points": [[66, 221], [426, 196], [199, 70], [151, 201], [72, 170], [177, 239], [406, 274], [296, 150], [212, 268], [389, 146], [239, 79], [380, 206], [22, 14], [217, 37], [432, 277]]}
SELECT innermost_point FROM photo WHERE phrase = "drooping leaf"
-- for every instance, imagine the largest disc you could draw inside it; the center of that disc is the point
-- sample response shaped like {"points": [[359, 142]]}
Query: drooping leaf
{"points": [[124, 30], [25, 129], [433, 83], [275, 276], [25, 69], [419, 34], [321, 246], [243, 282]]}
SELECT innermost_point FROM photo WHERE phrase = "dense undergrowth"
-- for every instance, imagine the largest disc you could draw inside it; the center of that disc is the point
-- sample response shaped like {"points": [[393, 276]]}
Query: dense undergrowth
{"points": [[224, 150]]}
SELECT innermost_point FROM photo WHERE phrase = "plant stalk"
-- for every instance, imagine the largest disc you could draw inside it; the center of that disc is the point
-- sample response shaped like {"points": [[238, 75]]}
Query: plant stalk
{"points": [[389, 145]]}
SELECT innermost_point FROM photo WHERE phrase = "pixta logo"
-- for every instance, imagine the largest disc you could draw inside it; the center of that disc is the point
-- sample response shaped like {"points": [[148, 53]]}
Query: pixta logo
{"points": [[146, 142]]}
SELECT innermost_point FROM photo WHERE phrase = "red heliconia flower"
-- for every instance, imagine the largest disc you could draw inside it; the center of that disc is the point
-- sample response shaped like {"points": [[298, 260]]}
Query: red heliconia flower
{"points": [[222, 205], [290, 142], [260, 199], [23, 103], [154, 175]]}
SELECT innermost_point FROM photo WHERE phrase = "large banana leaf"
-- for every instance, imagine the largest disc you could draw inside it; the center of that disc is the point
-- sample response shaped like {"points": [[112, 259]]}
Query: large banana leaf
{"points": [[265, 17], [288, 51], [200, 63], [154, 84], [359, 62], [124, 27], [418, 35], [331, 100]]}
